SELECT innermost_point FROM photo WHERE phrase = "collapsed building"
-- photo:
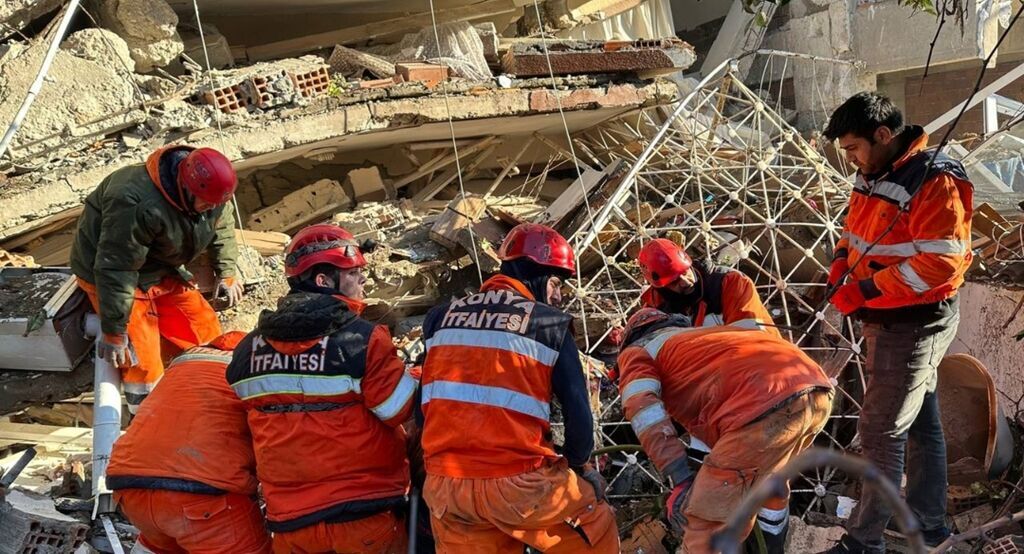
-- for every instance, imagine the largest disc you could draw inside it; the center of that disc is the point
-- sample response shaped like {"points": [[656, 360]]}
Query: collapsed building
{"points": [[435, 139]]}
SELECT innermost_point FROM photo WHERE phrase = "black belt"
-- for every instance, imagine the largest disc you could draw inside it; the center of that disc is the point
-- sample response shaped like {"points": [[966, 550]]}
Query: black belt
{"points": [[300, 407]]}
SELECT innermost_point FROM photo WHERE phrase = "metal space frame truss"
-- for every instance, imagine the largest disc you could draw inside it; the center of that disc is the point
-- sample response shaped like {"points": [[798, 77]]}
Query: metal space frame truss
{"points": [[723, 173]]}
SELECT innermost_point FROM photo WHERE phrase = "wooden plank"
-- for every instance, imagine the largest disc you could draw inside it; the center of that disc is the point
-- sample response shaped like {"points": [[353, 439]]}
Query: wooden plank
{"points": [[267, 243], [442, 160], [468, 171], [55, 250], [51, 437], [508, 167], [28, 232], [607, 8], [572, 196], [348, 35]]}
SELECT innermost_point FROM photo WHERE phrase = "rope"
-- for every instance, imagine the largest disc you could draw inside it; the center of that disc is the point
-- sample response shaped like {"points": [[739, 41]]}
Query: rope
{"points": [[455, 145], [261, 284]]}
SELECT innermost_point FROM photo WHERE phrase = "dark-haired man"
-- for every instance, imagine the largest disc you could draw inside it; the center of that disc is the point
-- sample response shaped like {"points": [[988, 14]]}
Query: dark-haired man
{"points": [[902, 256]]}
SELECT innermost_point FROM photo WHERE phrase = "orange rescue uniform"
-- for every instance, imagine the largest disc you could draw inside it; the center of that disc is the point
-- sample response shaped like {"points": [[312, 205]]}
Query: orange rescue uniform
{"points": [[326, 396], [922, 258], [184, 472], [174, 311], [728, 297], [494, 481], [755, 398]]}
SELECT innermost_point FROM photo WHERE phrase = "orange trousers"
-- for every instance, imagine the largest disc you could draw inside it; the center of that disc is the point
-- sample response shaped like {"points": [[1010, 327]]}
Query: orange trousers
{"points": [[743, 458], [549, 509], [165, 320], [172, 522], [383, 533]]}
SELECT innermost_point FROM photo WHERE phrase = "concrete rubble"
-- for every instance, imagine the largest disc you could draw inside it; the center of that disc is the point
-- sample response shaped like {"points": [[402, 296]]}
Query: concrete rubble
{"points": [[436, 154]]}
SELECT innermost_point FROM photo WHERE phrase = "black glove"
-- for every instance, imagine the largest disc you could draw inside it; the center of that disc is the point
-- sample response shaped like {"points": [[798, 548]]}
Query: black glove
{"points": [[590, 474]]}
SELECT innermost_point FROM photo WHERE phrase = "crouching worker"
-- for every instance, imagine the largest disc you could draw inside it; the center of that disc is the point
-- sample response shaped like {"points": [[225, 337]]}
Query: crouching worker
{"points": [[494, 361], [184, 472], [755, 398], [326, 394], [141, 226]]}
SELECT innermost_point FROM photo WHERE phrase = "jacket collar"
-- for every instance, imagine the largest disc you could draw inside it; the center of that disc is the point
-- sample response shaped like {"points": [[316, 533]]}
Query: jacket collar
{"points": [[153, 170], [505, 282], [355, 306], [914, 141]]}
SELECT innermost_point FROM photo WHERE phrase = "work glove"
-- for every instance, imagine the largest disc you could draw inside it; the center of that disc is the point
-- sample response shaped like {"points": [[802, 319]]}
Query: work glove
{"points": [[115, 349], [848, 298], [231, 289], [590, 474], [676, 504], [838, 270]]}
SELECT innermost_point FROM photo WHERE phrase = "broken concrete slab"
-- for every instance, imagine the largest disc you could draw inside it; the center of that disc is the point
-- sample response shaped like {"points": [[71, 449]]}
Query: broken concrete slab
{"points": [[365, 184], [16, 14], [81, 98], [270, 139], [579, 57], [101, 46], [319, 200], [149, 27], [349, 61]]}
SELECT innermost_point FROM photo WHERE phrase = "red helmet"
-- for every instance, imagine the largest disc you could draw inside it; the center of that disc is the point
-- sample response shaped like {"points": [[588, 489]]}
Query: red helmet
{"points": [[208, 175], [645, 317], [539, 243], [322, 244], [663, 261]]}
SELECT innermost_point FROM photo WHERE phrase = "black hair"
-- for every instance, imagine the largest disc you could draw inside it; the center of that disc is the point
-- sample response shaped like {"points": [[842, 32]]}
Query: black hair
{"points": [[306, 281], [862, 114]]}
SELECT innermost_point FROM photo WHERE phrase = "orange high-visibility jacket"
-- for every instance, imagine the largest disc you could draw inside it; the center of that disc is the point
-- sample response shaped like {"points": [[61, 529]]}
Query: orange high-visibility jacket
{"points": [[326, 395], [487, 382], [728, 297], [709, 380], [922, 260], [190, 434]]}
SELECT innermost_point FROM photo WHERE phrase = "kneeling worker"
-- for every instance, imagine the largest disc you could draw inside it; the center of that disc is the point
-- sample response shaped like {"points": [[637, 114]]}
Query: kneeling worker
{"points": [[708, 296], [326, 395], [494, 361], [184, 473], [756, 399]]}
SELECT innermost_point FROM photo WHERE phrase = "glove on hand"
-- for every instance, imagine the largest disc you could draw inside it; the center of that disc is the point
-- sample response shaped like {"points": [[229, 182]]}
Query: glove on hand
{"points": [[848, 298], [675, 505], [230, 288], [590, 474], [838, 270], [115, 350]]}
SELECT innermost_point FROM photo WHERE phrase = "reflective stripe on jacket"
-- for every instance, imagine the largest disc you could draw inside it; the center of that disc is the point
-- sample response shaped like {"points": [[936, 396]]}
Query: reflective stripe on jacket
{"points": [[325, 413], [923, 258], [190, 434], [728, 297], [709, 380], [487, 382]]}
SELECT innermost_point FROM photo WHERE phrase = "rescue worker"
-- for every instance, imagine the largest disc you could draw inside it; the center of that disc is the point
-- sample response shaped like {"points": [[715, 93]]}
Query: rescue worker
{"points": [[184, 473], [707, 295], [494, 361], [140, 227], [326, 396], [905, 247], [754, 397]]}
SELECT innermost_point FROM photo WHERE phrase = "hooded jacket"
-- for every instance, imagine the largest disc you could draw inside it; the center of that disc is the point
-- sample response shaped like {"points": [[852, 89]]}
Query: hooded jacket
{"points": [[326, 395], [135, 231]]}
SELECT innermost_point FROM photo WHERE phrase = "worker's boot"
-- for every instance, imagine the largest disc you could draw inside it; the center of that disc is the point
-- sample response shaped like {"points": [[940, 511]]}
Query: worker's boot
{"points": [[847, 545]]}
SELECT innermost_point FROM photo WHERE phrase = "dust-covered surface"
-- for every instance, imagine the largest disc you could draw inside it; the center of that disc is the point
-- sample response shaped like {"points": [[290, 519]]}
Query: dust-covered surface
{"points": [[24, 296]]}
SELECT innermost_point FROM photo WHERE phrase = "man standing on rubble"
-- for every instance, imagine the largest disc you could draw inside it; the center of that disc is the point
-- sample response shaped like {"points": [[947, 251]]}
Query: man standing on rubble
{"points": [[140, 227], [185, 473], [902, 256], [326, 395], [707, 295], [755, 398], [494, 361]]}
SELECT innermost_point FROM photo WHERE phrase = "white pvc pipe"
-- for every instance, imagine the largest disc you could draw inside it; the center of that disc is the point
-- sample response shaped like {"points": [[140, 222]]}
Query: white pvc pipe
{"points": [[37, 85], [106, 420]]}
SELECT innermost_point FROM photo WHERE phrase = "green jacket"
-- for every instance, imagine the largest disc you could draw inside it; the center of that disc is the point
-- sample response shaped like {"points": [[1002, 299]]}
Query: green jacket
{"points": [[130, 236]]}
